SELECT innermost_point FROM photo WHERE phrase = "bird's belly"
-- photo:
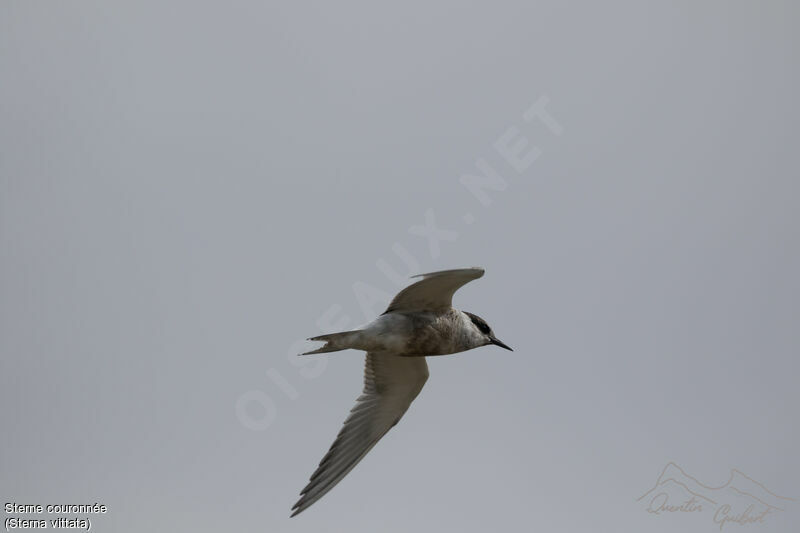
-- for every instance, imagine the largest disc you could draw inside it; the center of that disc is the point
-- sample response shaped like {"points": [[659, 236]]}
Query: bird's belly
{"points": [[420, 344], [429, 343], [388, 333], [409, 335]]}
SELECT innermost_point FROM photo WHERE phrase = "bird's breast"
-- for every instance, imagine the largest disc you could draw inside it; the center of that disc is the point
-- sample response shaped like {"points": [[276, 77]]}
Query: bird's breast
{"points": [[432, 334]]}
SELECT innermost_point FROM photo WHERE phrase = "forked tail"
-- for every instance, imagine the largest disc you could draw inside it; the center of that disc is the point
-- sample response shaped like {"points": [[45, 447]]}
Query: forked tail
{"points": [[335, 341]]}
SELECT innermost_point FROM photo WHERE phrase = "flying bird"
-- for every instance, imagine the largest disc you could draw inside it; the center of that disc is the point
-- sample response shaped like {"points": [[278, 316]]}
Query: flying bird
{"points": [[419, 322]]}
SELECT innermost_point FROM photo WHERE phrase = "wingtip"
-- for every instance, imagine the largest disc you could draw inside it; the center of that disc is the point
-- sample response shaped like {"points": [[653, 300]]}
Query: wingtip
{"points": [[481, 270], [299, 507], [295, 510]]}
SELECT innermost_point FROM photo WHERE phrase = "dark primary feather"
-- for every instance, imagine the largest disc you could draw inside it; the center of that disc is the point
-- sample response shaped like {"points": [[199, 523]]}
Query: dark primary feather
{"points": [[390, 385]]}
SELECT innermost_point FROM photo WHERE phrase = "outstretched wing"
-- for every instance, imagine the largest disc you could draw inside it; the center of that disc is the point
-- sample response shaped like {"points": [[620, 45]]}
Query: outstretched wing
{"points": [[391, 383], [434, 291]]}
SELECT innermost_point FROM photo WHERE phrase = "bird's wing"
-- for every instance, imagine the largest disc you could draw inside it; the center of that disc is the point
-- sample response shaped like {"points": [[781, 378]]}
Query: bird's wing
{"points": [[434, 291], [391, 383]]}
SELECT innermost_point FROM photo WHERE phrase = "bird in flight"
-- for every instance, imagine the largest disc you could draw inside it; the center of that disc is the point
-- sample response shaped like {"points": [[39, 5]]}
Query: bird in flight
{"points": [[419, 322]]}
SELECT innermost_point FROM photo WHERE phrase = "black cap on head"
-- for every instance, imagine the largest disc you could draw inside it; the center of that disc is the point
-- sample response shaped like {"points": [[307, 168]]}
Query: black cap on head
{"points": [[486, 330], [479, 323]]}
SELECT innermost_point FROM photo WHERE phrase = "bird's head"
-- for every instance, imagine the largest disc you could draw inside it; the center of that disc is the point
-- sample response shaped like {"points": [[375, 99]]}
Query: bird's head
{"points": [[483, 332]]}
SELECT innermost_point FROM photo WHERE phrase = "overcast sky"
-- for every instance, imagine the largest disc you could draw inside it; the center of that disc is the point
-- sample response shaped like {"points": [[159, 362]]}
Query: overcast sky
{"points": [[188, 189]]}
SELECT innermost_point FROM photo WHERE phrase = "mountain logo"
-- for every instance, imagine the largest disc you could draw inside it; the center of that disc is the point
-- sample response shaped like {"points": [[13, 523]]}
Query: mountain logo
{"points": [[741, 500]]}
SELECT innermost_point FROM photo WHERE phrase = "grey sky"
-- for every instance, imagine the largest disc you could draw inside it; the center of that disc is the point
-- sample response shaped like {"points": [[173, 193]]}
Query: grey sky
{"points": [[186, 188]]}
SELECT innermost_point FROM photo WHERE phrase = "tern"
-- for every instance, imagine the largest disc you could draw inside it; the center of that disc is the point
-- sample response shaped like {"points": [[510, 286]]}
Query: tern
{"points": [[419, 322]]}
